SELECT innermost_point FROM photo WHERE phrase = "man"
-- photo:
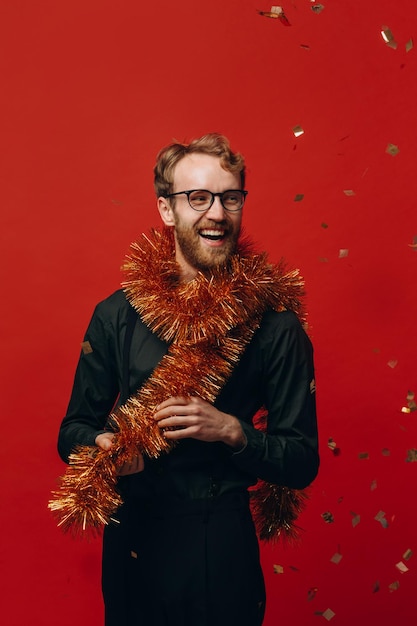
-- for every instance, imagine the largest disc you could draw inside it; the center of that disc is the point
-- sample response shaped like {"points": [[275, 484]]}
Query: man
{"points": [[198, 342]]}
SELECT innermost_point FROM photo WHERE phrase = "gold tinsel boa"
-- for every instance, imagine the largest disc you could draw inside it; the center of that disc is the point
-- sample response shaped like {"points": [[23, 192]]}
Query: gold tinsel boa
{"points": [[207, 323]]}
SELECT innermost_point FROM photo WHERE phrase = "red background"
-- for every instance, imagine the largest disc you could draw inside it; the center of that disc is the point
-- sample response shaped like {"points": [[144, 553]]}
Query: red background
{"points": [[91, 91]]}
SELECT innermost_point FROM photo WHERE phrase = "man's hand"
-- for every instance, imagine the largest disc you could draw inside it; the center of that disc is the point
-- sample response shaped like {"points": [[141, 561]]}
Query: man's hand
{"points": [[192, 417], [133, 466]]}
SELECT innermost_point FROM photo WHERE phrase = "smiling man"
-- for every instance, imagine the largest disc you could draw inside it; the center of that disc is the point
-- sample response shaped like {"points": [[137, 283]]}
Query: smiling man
{"points": [[205, 334]]}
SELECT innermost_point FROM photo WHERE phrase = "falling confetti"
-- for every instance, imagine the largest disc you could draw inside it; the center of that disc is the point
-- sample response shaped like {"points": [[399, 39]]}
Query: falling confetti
{"points": [[411, 456], [355, 519], [317, 8], [380, 517], [411, 404], [385, 452], [401, 567], [392, 149], [407, 555], [278, 569], [304, 46], [328, 517], [409, 45], [333, 447], [349, 192], [373, 485], [388, 37], [298, 131], [86, 347], [276, 13], [376, 587], [298, 197], [414, 244], [392, 363], [312, 593], [394, 586], [343, 253], [336, 558], [363, 455], [324, 225], [323, 259], [328, 614]]}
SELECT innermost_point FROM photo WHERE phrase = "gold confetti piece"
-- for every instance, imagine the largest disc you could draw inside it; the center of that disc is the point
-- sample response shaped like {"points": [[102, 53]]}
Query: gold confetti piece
{"points": [[392, 363], [411, 404], [328, 614], [411, 456], [343, 253], [407, 555], [336, 558], [394, 586], [86, 347], [380, 517], [388, 37], [328, 517], [317, 8], [349, 192], [134, 555], [392, 149], [401, 567], [385, 452], [276, 13], [405, 409], [356, 519], [376, 587], [373, 485], [298, 197], [409, 45], [363, 455], [414, 244], [311, 594], [324, 225], [298, 131], [333, 447], [278, 569]]}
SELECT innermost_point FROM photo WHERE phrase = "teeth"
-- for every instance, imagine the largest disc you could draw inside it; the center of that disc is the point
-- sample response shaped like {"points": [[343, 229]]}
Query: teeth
{"points": [[212, 233]]}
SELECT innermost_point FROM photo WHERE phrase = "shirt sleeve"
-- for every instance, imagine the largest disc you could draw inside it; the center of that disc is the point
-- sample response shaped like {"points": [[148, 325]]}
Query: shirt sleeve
{"points": [[95, 389], [287, 452]]}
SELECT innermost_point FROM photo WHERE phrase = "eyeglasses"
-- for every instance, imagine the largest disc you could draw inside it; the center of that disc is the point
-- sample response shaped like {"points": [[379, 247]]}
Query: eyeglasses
{"points": [[232, 200]]}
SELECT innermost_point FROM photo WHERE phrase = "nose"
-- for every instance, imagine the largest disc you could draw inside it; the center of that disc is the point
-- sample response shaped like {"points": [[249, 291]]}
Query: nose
{"points": [[216, 211]]}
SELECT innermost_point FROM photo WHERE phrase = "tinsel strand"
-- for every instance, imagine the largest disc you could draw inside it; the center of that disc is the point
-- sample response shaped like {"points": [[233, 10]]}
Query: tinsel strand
{"points": [[208, 322]]}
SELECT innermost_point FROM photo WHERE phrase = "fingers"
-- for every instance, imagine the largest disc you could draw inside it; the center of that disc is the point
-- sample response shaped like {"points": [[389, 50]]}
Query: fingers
{"points": [[104, 440], [180, 401], [135, 465]]}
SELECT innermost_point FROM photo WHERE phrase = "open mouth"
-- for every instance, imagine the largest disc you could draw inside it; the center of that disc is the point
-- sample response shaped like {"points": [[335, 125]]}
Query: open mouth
{"points": [[211, 234]]}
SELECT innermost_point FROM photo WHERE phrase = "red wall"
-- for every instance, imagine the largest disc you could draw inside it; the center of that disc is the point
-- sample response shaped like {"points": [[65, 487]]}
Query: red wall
{"points": [[90, 91]]}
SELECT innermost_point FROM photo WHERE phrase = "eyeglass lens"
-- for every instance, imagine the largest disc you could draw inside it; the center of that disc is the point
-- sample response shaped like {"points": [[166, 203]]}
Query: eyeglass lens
{"points": [[201, 199]]}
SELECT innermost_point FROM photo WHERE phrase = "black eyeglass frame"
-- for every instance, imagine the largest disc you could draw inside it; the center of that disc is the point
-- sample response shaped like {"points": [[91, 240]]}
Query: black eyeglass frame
{"points": [[213, 197]]}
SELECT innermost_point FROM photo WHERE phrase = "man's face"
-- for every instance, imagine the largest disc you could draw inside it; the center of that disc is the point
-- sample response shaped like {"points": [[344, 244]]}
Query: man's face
{"points": [[207, 239]]}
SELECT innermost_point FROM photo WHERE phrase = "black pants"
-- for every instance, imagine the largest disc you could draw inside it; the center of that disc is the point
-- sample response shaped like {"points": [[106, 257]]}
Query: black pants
{"points": [[193, 563]]}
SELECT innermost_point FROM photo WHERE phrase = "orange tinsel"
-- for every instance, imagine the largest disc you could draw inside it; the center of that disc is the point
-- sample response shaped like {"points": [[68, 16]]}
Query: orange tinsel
{"points": [[207, 322]]}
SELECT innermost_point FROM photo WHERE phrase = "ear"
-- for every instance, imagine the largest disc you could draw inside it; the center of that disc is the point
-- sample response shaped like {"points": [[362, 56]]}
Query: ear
{"points": [[165, 211]]}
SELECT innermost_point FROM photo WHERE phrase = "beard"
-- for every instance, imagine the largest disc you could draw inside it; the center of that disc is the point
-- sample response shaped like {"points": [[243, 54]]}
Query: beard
{"points": [[202, 257]]}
